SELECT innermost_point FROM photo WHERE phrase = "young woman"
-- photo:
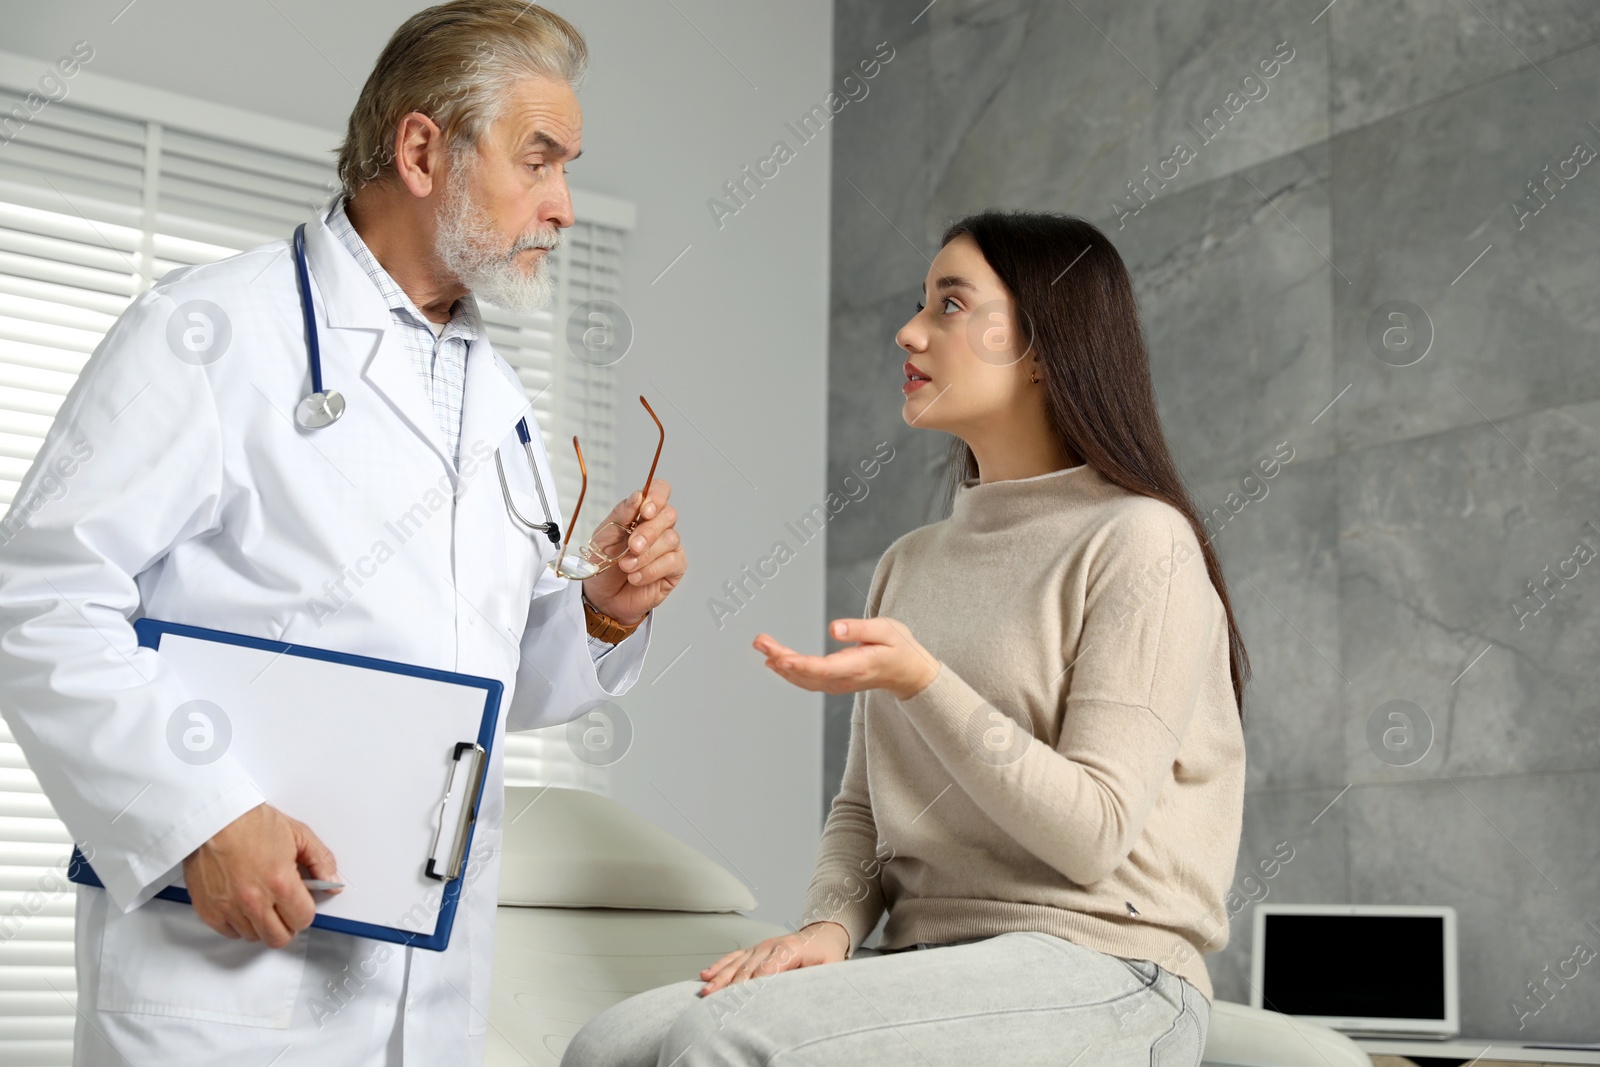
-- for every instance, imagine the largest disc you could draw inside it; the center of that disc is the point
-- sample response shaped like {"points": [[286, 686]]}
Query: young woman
{"points": [[1045, 778]]}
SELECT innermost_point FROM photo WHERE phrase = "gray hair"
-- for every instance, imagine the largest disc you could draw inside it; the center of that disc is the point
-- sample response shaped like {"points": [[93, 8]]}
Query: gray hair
{"points": [[454, 63]]}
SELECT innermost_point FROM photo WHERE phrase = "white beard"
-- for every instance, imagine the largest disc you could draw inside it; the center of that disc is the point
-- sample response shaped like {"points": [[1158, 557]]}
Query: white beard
{"points": [[469, 247]]}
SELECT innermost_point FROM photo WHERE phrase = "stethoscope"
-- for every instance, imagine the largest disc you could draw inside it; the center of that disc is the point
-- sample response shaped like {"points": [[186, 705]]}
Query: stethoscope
{"points": [[551, 528], [323, 407]]}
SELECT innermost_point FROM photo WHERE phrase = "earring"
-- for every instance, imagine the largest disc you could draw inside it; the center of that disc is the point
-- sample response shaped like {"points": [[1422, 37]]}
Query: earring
{"points": [[1034, 379]]}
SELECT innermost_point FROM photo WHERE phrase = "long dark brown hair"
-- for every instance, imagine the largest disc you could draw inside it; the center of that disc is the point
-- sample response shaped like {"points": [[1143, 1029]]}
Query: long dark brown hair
{"points": [[1076, 310]]}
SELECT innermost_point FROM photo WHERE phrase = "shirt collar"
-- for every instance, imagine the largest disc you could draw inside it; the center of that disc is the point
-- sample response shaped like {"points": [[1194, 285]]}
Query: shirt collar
{"points": [[465, 321]]}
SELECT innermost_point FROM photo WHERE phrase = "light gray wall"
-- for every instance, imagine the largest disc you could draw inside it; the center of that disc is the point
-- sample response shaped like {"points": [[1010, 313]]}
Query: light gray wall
{"points": [[1383, 562], [729, 343], [727, 755]]}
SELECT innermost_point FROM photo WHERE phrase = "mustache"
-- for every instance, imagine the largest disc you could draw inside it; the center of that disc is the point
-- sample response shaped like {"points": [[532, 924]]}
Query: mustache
{"points": [[549, 240]]}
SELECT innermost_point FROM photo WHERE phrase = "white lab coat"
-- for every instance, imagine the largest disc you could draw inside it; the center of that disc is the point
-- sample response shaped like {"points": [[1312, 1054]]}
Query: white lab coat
{"points": [[184, 490]]}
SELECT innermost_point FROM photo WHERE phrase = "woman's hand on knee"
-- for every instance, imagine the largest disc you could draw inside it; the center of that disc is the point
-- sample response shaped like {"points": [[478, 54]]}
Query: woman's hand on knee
{"points": [[820, 942]]}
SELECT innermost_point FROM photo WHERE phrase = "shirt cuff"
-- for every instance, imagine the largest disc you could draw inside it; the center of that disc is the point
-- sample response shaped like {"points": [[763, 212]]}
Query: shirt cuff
{"points": [[598, 648]]}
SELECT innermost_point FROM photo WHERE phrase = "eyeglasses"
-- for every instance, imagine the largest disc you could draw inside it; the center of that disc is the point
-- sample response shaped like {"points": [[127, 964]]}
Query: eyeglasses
{"points": [[609, 543]]}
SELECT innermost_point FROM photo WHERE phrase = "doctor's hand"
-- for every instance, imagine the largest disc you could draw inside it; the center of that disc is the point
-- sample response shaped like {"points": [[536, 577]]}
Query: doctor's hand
{"points": [[819, 942], [654, 563], [245, 881], [886, 657]]}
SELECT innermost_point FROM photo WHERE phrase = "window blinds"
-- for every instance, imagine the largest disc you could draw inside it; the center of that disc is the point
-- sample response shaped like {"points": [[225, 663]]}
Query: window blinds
{"points": [[94, 207], [571, 396]]}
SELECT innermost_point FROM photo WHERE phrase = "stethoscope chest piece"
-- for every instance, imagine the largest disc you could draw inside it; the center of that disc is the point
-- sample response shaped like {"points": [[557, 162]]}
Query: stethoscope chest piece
{"points": [[319, 409]]}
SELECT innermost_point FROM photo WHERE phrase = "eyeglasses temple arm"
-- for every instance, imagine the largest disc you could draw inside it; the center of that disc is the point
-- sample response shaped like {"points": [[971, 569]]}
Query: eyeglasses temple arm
{"points": [[652, 476], [582, 489]]}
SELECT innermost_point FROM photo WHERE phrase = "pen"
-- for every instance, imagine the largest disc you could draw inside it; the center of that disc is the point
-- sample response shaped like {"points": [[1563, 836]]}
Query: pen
{"points": [[321, 883]]}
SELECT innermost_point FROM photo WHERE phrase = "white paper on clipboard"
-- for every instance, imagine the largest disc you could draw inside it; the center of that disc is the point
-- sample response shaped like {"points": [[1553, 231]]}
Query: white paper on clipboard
{"points": [[362, 756]]}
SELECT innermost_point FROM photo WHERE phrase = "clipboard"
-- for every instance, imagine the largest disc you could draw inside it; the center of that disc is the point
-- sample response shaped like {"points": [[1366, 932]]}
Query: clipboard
{"points": [[401, 842]]}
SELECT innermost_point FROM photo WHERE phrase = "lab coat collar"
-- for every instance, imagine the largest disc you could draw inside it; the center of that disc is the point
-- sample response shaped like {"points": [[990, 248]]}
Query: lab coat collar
{"points": [[350, 300], [493, 399]]}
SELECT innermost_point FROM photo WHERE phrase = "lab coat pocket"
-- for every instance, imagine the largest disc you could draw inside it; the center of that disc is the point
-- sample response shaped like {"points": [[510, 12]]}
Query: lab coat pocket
{"points": [[160, 959]]}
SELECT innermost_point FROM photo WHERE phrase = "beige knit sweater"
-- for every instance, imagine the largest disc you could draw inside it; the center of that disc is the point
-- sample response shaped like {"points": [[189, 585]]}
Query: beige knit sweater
{"points": [[1076, 767]]}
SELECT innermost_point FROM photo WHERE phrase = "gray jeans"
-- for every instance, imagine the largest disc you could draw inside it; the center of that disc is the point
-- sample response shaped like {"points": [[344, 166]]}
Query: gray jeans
{"points": [[1016, 998]]}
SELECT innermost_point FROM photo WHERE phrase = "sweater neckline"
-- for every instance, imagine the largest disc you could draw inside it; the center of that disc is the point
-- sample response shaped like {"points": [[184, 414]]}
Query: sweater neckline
{"points": [[1008, 501]]}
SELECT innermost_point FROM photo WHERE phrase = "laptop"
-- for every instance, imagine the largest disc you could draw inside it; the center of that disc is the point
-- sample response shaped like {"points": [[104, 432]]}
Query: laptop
{"points": [[1365, 970]]}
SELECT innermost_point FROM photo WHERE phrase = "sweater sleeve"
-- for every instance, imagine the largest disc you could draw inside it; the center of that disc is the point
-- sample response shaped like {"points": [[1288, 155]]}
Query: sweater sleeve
{"points": [[845, 884], [1150, 615]]}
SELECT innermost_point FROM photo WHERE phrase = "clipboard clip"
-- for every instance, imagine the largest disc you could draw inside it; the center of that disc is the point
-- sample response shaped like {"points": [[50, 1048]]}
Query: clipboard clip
{"points": [[457, 812]]}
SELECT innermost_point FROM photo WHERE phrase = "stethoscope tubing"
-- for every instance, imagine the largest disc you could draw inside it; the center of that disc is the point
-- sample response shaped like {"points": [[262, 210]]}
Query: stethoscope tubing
{"points": [[550, 527], [313, 349]]}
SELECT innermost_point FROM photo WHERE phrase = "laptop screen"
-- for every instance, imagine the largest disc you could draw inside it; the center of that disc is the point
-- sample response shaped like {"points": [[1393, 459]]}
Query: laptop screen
{"points": [[1355, 966]]}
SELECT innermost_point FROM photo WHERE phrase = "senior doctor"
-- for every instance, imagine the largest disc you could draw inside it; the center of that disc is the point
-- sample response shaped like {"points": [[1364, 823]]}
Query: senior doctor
{"points": [[197, 494]]}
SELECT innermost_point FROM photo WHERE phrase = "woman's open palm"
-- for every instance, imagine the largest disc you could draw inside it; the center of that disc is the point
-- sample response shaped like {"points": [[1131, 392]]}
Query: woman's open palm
{"points": [[886, 656]]}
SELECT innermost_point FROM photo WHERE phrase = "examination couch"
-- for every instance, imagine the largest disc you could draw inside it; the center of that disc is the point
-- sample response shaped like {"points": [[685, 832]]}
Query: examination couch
{"points": [[597, 904]]}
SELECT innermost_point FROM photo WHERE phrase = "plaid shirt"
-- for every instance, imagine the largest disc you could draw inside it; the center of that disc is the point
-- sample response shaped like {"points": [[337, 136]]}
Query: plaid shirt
{"points": [[440, 359]]}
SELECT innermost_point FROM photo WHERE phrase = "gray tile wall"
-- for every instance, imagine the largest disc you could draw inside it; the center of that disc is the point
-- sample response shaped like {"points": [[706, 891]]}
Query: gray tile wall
{"points": [[1388, 160]]}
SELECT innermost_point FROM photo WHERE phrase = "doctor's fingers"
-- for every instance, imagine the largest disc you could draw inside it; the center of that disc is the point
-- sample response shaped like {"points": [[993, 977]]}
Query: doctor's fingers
{"points": [[218, 915], [237, 920], [222, 926], [653, 549], [629, 507], [290, 904], [669, 566], [653, 522], [296, 912], [660, 490], [310, 851], [266, 925], [273, 909]]}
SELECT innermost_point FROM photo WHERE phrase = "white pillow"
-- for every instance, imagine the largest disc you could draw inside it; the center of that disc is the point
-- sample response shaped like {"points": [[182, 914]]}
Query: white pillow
{"points": [[569, 848]]}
